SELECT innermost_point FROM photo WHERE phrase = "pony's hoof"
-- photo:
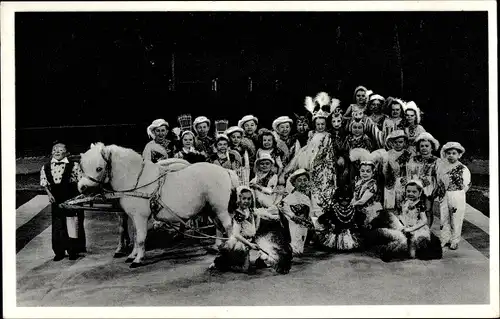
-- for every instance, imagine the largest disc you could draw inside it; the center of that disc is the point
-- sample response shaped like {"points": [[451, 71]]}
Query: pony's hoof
{"points": [[135, 265], [129, 260], [119, 255]]}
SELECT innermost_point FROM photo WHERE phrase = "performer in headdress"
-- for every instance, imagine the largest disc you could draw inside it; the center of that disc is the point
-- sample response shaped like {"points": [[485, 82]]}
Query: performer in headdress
{"points": [[423, 167], [203, 142], [375, 110], [413, 127], [454, 180], [318, 155], [225, 157], [163, 142], [361, 95]]}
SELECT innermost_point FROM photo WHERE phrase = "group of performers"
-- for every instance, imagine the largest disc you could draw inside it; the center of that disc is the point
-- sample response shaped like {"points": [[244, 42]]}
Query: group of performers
{"points": [[362, 178]]}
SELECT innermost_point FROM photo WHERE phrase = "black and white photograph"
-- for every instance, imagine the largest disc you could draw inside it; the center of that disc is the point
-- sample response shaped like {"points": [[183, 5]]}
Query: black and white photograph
{"points": [[250, 159]]}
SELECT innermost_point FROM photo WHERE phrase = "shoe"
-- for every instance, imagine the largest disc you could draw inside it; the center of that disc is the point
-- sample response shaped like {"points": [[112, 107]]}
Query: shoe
{"points": [[454, 246], [58, 257], [74, 256]]}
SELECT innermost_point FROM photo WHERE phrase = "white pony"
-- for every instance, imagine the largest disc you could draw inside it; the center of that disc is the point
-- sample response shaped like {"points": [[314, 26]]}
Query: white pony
{"points": [[183, 194]]}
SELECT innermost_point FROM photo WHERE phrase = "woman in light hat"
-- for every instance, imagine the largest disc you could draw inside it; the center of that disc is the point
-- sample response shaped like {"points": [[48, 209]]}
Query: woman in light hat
{"points": [[188, 152], [361, 95], [297, 207], [225, 157], [395, 172], [203, 142], [375, 110], [162, 144], [454, 180], [412, 124], [265, 182], [423, 167]]}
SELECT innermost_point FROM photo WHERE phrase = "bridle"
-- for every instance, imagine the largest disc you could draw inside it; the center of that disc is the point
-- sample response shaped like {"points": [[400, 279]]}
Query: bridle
{"points": [[107, 171]]}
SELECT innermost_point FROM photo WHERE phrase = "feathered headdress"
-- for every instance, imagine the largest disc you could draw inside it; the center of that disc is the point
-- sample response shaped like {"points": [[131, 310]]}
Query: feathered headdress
{"points": [[321, 106], [366, 158]]}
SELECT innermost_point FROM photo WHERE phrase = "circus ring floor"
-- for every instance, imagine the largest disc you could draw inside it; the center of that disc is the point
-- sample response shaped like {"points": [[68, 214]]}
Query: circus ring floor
{"points": [[178, 276]]}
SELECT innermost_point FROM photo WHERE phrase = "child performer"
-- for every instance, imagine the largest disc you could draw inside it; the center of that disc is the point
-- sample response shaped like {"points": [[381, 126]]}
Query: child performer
{"points": [[340, 229], [395, 179], [297, 207], [361, 95], [366, 198], [163, 144], [235, 253], [224, 157], [413, 127], [203, 143], [282, 127], [60, 177], [188, 152], [267, 144], [302, 134], [395, 121], [357, 137], [423, 167], [249, 124], [375, 110], [454, 180], [265, 182]]}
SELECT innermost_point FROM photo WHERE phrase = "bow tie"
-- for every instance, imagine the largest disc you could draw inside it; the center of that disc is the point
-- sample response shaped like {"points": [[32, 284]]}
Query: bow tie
{"points": [[59, 163]]}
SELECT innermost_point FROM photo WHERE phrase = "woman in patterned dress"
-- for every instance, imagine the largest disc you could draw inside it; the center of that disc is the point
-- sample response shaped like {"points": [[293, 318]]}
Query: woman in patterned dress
{"points": [[423, 167], [163, 144]]}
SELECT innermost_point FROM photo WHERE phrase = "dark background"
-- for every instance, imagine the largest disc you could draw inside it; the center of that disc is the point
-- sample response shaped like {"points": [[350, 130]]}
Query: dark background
{"points": [[104, 69]]}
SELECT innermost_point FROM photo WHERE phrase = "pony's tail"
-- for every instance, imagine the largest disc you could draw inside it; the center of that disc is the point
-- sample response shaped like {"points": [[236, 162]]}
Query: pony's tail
{"points": [[235, 181]]}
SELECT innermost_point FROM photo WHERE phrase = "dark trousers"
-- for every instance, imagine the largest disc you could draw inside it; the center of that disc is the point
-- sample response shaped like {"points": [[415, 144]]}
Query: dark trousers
{"points": [[60, 238]]}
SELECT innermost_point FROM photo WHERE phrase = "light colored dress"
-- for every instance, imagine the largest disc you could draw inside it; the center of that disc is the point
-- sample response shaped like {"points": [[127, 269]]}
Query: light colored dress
{"points": [[265, 195]]}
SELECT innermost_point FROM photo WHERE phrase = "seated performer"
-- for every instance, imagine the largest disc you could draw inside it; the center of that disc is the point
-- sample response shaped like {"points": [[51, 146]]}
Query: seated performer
{"points": [[235, 254], [405, 233]]}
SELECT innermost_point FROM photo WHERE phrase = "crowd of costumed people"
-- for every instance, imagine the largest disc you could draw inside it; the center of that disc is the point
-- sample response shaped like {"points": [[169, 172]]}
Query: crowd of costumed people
{"points": [[363, 178]]}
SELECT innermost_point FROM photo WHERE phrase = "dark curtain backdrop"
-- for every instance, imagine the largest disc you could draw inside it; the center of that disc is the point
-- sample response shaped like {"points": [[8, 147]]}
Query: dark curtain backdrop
{"points": [[115, 68]]}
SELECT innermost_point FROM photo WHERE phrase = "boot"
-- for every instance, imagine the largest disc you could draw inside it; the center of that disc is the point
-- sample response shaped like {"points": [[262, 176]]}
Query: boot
{"points": [[73, 249]]}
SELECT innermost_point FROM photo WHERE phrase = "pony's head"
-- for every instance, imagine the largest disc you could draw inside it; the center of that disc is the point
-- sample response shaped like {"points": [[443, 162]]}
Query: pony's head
{"points": [[96, 167]]}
